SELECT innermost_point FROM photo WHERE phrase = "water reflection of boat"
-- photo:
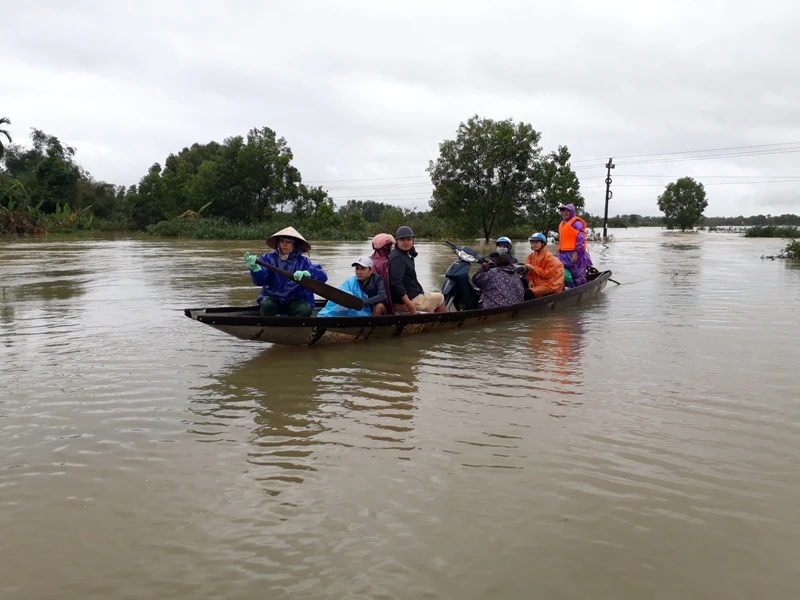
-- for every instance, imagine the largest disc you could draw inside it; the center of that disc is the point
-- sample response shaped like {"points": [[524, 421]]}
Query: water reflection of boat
{"points": [[299, 422], [556, 360], [245, 322]]}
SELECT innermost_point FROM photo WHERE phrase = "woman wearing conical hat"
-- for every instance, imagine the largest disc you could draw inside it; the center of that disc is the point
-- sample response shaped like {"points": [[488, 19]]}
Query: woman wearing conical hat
{"points": [[280, 295]]}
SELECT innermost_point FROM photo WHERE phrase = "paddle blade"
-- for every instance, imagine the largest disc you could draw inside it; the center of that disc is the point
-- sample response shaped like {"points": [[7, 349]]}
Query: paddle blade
{"points": [[332, 293], [319, 288]]}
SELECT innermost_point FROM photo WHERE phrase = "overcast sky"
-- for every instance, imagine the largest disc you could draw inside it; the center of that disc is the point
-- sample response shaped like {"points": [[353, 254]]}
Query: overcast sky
{"points": [[366, 90]]}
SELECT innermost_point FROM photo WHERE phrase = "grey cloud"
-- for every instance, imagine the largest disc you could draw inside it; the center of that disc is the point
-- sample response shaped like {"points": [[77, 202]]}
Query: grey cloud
{"points": [[370, 89]]}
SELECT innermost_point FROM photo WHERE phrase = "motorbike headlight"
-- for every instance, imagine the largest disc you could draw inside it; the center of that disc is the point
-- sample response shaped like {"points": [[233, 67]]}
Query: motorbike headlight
{"points": [[464, 256]]}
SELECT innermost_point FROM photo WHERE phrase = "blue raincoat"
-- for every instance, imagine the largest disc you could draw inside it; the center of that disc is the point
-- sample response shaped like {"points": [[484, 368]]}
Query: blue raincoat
{"points": [[281, 288], [331, 309]]}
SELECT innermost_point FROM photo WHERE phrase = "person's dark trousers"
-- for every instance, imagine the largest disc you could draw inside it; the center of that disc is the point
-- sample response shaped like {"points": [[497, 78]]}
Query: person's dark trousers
{"points": [[293, 308]]}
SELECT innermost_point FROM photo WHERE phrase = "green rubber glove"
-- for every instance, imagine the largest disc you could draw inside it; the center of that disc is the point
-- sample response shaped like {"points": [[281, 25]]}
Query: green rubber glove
{"points": [[250, 259], [567, 276], [298, 275]]}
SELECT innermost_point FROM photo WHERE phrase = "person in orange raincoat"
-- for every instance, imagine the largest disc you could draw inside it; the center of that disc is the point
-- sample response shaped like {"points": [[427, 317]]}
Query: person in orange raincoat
{"points": [[545, 273]]}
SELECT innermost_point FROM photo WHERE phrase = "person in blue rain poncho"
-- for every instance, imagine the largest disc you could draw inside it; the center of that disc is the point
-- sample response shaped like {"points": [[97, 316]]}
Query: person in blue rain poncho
{"points": [[365, 284], [280, 295]]}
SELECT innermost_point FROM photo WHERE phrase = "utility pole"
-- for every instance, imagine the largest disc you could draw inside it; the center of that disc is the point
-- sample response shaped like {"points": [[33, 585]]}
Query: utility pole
{"points": [[609, 165]]}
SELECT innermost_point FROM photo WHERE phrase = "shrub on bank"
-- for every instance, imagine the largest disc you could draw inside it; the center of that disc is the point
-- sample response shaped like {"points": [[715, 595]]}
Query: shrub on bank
{"points": [[773, 231], [792, 250], [20, 222]]}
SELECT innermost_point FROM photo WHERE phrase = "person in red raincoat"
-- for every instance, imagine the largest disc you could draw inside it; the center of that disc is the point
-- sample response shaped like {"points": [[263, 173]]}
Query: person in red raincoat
{"points": [[382, 244]]}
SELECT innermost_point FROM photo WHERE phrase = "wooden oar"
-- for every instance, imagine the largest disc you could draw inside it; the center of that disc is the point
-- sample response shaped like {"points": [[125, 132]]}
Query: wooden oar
{"points": [[319, 288]]}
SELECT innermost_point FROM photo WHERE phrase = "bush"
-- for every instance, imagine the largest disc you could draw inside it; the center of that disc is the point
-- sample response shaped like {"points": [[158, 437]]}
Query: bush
{"points": [[774, 231], [597, 237], [792, 250], [21, 222]]}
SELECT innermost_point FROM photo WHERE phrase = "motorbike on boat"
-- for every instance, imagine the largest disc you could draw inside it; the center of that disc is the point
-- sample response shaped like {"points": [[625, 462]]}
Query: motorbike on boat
{"points": [[458, 290]]}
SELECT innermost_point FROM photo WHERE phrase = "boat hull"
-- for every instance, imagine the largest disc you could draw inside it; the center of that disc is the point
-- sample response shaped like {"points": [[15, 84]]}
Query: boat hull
{"points": [[245, 322]]}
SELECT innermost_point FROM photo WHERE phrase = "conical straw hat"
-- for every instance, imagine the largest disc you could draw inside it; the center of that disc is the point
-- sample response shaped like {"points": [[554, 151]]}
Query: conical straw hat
{"points": [[272, 241]]}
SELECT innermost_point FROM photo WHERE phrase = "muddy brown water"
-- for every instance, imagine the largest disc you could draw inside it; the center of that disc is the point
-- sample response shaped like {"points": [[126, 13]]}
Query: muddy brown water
{"points": [[644, 445]]}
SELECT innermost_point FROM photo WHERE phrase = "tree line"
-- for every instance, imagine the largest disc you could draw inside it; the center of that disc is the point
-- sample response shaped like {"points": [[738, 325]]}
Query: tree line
{"points": [[493, 178]]}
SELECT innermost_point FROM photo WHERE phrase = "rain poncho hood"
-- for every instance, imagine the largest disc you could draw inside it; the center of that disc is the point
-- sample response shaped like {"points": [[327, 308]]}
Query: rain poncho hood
{"points": [[381, 240], [281, 288], [570, 208], [380, 258]]}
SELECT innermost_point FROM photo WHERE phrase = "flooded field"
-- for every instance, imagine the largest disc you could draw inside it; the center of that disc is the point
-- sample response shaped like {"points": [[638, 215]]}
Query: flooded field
{"points": [[644, 445]]}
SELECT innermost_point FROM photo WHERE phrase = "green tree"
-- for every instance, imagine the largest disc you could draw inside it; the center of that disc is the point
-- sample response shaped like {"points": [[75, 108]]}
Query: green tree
{"points": [[145, 202], [352, 220], [557, 185], [309, 201], [245, 179], [391, 218], [47, 170], [325, 217], [4, 132], [369, 209], [683, 202], [270, 181], [483, 178]]}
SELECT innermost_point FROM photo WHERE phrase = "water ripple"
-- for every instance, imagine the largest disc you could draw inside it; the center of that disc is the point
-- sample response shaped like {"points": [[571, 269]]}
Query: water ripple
{"points": [[648, 439]]}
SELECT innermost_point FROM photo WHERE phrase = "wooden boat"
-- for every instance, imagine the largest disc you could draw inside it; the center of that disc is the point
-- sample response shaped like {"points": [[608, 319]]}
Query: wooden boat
{"points": [[246, 323]]}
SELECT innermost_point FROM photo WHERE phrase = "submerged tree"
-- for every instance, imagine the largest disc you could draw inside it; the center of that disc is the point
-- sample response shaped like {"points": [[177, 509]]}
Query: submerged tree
{"points": [[483, 178], [683, 203]]}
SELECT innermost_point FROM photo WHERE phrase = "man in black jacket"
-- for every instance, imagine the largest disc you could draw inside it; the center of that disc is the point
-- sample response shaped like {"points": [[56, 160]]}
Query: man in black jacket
{"points": [[406, 290]]}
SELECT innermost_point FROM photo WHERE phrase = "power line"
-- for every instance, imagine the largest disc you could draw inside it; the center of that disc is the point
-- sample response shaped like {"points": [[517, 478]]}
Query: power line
{"points": [[713, 156], [705, 184], [402, 197], [372, 187], [416, 196], [704, 176], [669, 157], [350, 197], [369, 179], [691, 158], [343, 191], [694, 151]]}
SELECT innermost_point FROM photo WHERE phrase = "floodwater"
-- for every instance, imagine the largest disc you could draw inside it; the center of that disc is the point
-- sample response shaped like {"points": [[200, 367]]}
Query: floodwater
{"points": [[644, 445]]}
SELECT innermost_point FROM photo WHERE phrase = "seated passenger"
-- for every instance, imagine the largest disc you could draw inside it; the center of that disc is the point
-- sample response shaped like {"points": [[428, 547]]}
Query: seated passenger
{"points": [[280, 295], [501, 286], [367, 285], [382, 244], [503, 246], [406, 290], [545, 273]]}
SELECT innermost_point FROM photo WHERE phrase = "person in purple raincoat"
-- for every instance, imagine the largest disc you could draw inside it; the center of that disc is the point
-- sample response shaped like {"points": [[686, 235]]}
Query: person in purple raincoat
{"points": [[501, 286], [572, 253]]}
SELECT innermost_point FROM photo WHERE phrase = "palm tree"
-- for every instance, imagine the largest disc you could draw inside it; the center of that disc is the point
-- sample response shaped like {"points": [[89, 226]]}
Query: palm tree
{"points": [[3, 132]]}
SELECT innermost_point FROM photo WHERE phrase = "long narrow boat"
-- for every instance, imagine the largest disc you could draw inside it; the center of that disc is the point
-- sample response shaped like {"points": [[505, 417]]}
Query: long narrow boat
{"points": [[245, 322]]}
